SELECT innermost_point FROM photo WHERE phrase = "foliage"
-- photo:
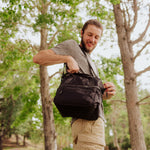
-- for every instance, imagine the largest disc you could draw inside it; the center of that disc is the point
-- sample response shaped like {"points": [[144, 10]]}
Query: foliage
{"points": [[126, 143], [67, 149], [115, 2], [19, 81], [145, 115], [102, 11], [117, 121], [109, 70]]}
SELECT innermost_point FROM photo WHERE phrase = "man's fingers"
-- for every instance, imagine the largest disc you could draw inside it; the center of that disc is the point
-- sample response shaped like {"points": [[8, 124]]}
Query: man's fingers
{"points": [[72, 66], [110, 90]]}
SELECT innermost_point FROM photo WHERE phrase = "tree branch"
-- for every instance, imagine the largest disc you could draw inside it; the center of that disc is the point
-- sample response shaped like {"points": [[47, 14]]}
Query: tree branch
{"points": [[126, 23], [140, 51], [48, 3], [146, 103], [140, 72], [58, 72], [52, 39], [139, 102], [135, 9], [144, 32]]}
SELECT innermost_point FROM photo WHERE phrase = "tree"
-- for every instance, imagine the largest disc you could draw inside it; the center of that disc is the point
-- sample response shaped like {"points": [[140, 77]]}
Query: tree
{"points": [[7, 30], [50, 136], [18, 81], [6, 108], [126, 15]]}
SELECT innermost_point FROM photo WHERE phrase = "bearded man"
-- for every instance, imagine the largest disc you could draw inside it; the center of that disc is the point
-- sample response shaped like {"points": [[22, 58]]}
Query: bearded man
{"points": [[87, 135]]}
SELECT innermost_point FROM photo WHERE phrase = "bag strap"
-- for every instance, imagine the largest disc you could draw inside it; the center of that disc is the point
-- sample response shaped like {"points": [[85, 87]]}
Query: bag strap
{"points": [[91, 68]]}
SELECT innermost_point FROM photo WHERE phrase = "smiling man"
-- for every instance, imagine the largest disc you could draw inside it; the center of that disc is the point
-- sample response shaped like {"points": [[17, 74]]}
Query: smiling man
{"points": [[87, 135], [90, 36]]}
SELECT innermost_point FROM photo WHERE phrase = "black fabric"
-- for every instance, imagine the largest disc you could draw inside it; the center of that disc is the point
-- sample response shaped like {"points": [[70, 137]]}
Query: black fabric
{"points": [[79, 96]]}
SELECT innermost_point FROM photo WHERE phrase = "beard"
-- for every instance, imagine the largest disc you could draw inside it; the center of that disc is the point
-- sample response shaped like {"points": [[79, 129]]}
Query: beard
{"points": [[84, 46]]}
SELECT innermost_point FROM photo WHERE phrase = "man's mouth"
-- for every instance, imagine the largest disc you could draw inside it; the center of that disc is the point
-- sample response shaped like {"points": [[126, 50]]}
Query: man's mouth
{"points": [[89, 44]]}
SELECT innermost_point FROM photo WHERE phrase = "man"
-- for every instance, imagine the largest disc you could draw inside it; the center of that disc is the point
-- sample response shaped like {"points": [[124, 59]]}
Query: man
{"points": [[87, 135]]}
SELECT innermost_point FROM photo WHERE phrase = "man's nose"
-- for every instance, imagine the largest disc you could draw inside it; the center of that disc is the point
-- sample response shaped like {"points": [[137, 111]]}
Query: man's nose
{"points": [[92, 39]]}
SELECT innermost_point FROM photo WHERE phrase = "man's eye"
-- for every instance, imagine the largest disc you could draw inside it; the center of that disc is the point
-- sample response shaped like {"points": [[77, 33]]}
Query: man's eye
{"points": [[97, 37]]}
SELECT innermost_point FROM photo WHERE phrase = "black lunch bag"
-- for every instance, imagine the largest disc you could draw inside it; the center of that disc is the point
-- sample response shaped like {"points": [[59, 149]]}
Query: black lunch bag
{"points": [[79, 96]]}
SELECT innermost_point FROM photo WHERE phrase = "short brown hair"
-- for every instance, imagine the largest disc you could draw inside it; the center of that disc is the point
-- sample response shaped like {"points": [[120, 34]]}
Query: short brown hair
{"points": [[92, 22]]}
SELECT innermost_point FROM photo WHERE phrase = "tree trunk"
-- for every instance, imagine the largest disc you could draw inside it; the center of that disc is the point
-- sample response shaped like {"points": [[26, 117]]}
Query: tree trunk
{"points": [[17, 139], [24, 140], [47, 108], [135, 125], [1, 143]]}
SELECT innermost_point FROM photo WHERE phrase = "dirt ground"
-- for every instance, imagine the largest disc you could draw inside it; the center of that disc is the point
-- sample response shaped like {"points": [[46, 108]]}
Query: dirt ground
{"points": [[10, 144]]}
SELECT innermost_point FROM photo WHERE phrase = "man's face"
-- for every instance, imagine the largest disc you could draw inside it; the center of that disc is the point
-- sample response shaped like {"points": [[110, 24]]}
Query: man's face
{"points": [[90, 38]]}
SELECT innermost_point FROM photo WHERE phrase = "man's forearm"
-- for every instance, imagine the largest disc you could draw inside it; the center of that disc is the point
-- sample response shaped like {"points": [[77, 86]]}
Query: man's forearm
{"points": [[48, 57]]}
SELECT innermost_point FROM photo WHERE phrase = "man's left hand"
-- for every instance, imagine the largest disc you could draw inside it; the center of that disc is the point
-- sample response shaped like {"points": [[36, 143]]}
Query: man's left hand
{"points": [[110, 90]]}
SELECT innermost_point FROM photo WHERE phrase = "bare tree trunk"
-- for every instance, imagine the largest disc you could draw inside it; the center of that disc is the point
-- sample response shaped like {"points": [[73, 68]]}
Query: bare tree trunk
{"points": [[1, 142], [135, 125], [47, 107], [48, 119], [24, 140], [17, 139]]}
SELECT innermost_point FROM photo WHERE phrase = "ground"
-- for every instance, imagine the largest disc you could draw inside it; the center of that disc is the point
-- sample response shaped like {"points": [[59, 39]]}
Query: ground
{"points": [[10, 144]]}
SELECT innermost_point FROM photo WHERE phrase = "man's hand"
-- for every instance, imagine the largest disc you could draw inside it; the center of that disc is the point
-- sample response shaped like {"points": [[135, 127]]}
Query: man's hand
{"points": [[72, 65], [110, 90]]}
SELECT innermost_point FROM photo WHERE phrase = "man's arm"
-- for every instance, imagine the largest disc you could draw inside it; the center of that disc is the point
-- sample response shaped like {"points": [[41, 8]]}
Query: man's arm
{"points": [[49, 57]]}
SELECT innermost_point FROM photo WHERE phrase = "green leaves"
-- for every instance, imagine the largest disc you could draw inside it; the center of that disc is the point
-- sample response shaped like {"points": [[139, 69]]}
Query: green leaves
{"points": [[109, 68], [43, 20], [100, 10], [115, 2], [68, 2], [9, 17], [19, 80]]}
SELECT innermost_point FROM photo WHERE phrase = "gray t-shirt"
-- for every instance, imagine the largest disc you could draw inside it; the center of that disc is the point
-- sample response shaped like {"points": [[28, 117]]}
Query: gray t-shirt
{"points": [[71, 48]]}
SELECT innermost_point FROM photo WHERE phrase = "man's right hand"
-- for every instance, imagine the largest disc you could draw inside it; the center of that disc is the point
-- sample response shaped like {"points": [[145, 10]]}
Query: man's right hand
{"points": [[72, 65]]}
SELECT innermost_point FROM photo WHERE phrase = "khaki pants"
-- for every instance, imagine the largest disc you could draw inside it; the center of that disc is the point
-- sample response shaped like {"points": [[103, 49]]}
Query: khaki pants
{"points": [[88, 135]]}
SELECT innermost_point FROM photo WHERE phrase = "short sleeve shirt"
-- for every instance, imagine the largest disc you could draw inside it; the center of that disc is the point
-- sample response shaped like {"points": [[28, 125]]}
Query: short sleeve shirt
{"points": [[71, 48]]}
